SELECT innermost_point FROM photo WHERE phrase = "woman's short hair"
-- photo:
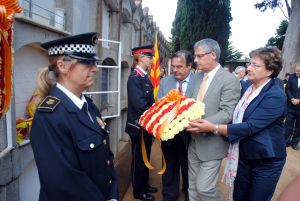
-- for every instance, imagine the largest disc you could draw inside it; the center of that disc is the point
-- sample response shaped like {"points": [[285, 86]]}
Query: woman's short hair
{"points": [[272, 58]]}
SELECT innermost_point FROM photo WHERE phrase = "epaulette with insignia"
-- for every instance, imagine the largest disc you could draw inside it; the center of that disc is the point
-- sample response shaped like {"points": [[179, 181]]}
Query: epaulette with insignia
{"points": [[49, 104]]}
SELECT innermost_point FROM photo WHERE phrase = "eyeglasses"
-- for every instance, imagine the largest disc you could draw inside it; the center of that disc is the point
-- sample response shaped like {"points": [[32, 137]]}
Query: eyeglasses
{"points": [[201, 55], [256, 66], [88, 62]]}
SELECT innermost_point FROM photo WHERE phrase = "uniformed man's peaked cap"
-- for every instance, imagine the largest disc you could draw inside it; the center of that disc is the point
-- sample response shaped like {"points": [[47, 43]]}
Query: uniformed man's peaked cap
{"points": [[145, 50], [80, 46]]}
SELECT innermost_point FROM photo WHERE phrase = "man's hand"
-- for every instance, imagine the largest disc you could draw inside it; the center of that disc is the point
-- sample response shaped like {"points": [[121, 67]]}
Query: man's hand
{"points": [[295, 101], [201, 125]]}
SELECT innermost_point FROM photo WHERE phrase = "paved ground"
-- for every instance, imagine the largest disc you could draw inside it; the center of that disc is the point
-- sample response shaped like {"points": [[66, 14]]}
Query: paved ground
{"points": [[291, 169]]}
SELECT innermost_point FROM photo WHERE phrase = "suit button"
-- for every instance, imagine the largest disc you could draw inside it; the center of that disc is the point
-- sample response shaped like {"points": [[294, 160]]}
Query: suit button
{"points": [[92, 145], [108, 162], [104, 141]]}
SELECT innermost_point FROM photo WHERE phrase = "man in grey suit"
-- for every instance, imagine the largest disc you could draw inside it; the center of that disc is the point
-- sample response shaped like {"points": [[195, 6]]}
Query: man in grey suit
{"points": [[220, 91], [175, 150]]}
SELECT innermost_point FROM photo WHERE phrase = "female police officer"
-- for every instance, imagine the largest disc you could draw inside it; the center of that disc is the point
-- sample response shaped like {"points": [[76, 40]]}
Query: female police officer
{"points": [[68, 136]]}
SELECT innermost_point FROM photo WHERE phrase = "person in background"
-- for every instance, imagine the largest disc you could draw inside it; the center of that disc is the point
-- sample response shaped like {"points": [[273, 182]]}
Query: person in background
{"points": [[227, 68], [163, 73], [220, 92], [257, 153], [293, 109], [286, 78], [240, 73], [140, 98], [68, 136], [175, 150]]}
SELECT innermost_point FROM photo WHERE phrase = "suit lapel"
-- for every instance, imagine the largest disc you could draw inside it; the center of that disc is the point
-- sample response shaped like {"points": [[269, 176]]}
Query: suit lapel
{"points": [[190, 86], [198, 80], [216, 79], [84, 119], [72, 108], [171, 85], [253, 104]]}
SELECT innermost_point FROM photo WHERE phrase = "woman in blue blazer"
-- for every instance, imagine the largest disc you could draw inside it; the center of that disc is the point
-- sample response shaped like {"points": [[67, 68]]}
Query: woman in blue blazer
{"points": [[257, 153]]}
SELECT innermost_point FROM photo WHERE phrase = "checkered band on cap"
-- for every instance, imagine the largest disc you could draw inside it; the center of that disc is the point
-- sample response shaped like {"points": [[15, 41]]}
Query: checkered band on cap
{"points": [[73, 48]]}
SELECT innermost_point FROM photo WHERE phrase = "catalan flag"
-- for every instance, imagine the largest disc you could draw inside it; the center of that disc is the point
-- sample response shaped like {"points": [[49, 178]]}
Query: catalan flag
{"points": [[155, 69]]}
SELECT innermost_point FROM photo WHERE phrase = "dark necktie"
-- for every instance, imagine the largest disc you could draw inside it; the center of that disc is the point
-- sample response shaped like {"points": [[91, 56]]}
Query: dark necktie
{"points": [[86, 111], [85, 108], [180, 86]]}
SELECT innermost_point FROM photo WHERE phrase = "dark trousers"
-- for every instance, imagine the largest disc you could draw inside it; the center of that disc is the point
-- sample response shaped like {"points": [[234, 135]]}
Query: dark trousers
{"points": [[139, 171], [256, 180], [175, 153], [292, 119]]}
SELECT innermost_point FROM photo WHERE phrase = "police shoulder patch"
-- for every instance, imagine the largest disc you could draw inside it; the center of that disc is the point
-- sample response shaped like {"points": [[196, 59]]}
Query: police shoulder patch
{"points": [[49, 103]]}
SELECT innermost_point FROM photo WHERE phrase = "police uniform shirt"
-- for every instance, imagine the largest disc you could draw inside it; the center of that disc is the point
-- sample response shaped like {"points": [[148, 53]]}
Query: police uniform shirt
{"points": [[77, 101], [70, 150], [140, 97]]}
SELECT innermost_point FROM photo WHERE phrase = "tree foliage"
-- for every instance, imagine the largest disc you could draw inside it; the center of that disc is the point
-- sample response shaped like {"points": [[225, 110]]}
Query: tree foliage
{"points": [[291, 45], [279, 37], [272, 4], [233, 54], [196, 20]]}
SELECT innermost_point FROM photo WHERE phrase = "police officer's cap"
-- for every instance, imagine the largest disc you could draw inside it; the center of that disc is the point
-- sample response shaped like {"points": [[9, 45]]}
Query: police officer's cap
{"points": [[81, 47], [145, 50]]}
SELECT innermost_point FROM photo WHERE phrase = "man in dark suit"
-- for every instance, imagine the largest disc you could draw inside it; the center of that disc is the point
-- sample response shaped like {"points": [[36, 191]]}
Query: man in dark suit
{"points": [[293, 109], [140, 98], [175, 150]]}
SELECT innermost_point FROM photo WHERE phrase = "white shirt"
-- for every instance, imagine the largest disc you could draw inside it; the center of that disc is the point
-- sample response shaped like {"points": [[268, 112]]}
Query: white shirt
{"points": [[211, 75], [145, 72], [77, 101], [298, 82], [185, 83]]}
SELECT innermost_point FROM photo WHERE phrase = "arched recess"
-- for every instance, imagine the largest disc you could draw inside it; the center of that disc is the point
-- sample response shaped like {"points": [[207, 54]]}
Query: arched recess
{"points": [[28, 60], [126, 15], [124, 76]]}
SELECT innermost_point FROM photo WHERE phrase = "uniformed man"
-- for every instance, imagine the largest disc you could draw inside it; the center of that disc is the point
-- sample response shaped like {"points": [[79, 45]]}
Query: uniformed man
{"points": [[140, 98], [68, 136]]}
